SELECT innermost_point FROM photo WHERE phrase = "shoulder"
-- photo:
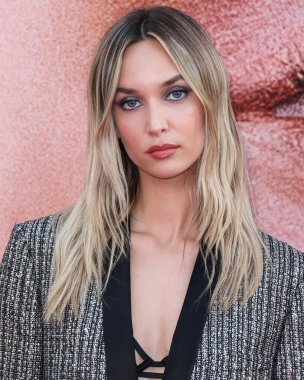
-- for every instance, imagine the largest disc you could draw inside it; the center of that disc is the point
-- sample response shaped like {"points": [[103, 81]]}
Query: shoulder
{"points": [[37, 235], [29, 251], [282, 252], [286, 264], [36, 231]]}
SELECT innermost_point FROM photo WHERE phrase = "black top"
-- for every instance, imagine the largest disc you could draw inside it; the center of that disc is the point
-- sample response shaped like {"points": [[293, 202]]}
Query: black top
{"points": [[118, 331]]}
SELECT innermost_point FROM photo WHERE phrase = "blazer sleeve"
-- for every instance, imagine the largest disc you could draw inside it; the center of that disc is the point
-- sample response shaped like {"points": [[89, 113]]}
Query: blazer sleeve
{"points": [[20, 311], [290, 362]]}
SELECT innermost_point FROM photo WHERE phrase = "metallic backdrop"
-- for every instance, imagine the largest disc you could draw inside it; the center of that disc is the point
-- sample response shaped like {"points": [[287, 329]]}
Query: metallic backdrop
{"points": [[45, 53]]}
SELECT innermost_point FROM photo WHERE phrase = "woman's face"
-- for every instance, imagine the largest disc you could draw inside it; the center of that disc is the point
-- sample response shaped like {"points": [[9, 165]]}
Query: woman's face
{"points": [[157, 116]]}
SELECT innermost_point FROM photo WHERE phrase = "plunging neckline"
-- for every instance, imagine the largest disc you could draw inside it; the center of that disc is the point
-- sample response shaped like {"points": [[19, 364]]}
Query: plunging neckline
{"points": [[118, 329], [198, 263]]}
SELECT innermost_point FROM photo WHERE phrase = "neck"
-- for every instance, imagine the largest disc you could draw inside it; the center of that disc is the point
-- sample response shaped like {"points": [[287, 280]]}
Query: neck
{"points": [[163, 209]]}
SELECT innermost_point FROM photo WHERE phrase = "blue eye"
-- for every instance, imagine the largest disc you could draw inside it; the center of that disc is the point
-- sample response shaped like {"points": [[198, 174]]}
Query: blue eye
{"points": [[129, 104], [177, 94]]}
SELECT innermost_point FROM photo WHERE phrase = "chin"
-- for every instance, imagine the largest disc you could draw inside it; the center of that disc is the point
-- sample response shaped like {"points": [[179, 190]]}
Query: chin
{"points": [[167, 174]]}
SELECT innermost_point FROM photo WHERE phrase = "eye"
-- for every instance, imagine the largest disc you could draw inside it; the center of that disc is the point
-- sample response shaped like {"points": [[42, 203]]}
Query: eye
{"points": [[177, 94], [130, 103]]}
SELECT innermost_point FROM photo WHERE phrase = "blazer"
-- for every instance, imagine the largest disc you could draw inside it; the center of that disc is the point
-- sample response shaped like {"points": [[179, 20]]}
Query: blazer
{"points": [[264, 339]]}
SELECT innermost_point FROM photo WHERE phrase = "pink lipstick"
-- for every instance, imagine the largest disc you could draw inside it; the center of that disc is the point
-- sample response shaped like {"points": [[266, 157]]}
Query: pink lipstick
{"points": [[162, 151]]}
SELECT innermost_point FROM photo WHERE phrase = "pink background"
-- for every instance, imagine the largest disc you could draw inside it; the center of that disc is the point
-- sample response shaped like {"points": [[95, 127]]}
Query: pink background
{"points": [[45, 53]]}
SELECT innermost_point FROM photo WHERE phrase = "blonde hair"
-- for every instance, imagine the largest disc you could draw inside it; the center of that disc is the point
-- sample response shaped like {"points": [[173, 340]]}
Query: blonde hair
{"points": [[91, 235]]}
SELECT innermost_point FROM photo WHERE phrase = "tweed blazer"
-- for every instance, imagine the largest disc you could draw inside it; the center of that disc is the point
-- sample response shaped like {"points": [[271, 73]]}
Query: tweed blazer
{"points": [[264, 339]]}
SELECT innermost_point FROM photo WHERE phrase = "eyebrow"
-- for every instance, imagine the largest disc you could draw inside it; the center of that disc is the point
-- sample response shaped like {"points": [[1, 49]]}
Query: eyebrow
{"points": [[168, 82]]}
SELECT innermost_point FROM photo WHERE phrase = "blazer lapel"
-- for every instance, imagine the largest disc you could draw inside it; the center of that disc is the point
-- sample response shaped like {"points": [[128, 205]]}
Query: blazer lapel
{"points": [[190, 325], [118, 330]]}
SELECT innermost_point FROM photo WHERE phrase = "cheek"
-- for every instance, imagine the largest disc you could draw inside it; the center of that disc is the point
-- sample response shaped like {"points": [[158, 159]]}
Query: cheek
{"points": [[131, 142], [197, 135], [125, 125], [123, 129], [194, 122], [198, 144], [128, 136]]}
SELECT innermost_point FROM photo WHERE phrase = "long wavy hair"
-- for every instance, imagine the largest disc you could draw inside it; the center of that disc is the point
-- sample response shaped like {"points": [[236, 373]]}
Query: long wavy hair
{"points": [[91, 235]]}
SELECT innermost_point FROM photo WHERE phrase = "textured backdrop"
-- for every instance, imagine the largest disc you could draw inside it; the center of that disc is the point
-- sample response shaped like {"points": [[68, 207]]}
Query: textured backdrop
{"points": [[45, 51]]}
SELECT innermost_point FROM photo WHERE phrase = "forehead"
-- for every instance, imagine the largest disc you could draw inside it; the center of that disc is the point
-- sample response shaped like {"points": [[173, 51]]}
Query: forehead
{"points": [[146, 61]]}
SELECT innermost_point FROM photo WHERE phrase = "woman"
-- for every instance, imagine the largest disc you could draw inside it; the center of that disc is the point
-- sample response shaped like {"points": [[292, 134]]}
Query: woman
{"points": [[158, 270]]}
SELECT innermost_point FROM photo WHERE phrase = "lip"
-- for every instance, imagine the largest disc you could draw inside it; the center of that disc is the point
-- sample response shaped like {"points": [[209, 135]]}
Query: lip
{"points": [[162, 151], [157, 148]]}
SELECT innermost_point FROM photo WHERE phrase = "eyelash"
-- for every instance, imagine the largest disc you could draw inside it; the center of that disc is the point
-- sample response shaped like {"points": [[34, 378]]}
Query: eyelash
{"points": [[183, 90]]}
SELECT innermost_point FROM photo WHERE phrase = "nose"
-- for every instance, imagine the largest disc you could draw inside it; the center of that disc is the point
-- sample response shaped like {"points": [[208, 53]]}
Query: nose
{"points": [[157, 122]]}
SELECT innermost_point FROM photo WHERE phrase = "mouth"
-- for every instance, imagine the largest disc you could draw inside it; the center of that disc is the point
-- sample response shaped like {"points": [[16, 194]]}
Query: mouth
{"points": [[159, 148], [162, 151]]}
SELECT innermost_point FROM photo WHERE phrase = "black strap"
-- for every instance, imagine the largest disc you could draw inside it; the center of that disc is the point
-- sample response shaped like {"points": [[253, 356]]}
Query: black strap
{"points": [[148, 362]]}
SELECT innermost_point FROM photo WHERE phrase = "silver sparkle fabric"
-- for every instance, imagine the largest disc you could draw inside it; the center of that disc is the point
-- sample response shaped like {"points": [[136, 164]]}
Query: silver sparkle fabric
{"points": [[262, 340]]}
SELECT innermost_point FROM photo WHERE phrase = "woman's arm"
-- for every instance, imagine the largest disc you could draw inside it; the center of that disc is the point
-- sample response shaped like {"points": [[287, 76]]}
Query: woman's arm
{"points": [[290, 363], [20, 312]]}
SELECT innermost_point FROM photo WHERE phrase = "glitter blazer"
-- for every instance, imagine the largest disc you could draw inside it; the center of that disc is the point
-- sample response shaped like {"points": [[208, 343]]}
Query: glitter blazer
{"points": [[262, 340]]}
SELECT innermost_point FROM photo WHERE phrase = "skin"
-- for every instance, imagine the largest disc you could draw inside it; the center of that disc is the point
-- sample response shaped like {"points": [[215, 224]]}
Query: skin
{"points": [[161, 262]]}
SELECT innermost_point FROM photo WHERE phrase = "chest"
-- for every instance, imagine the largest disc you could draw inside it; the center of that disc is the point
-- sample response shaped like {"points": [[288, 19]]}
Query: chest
{"points": [[159, 283]]}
